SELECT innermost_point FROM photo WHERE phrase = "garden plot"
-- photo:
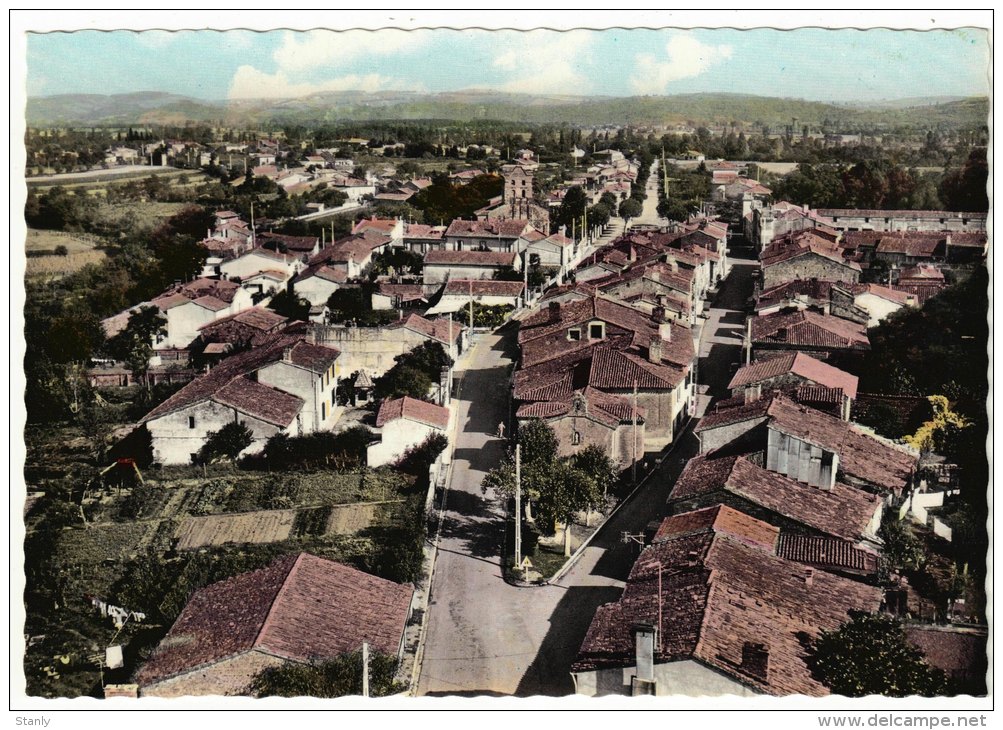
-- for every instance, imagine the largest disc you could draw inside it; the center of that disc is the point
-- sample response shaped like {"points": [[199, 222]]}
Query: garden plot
{"points": [[250, 527]]}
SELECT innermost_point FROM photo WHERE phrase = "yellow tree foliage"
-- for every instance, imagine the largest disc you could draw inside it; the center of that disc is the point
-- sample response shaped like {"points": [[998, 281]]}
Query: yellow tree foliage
{"points": [[926, 437]]}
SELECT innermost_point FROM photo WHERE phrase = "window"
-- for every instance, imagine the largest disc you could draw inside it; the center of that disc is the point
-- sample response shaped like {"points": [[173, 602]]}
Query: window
{"points": [[576, 438], [574, 334], [596, 331], [323, 411], [191, 421]]}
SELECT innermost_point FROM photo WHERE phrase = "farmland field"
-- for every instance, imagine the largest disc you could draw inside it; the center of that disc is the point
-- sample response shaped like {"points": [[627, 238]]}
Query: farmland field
{"points": [[249, 527], [81, 250]]}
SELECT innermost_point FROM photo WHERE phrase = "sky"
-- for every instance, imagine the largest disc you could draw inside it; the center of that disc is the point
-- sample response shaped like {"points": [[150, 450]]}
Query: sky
{"points": [[816, 64]]}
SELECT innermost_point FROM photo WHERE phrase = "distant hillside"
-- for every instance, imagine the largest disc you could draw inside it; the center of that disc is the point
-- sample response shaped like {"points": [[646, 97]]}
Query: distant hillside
{"points": [[694, 109]]}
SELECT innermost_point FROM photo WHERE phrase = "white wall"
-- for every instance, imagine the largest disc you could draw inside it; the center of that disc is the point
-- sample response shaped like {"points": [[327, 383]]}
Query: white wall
{"points": [[313, 389], [877, 307], [183, 322], [315, 289], [174, 441], [397, 437], [689, 678]]}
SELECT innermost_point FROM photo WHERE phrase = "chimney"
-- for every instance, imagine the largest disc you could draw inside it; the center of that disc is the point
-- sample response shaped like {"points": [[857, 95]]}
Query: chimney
{"points": [[655, 349], [809, 576], [756, 659], [287, 354], [665, 330], [947, 241], [633, 254], [753, 393], [311, 335], [644, 651]]}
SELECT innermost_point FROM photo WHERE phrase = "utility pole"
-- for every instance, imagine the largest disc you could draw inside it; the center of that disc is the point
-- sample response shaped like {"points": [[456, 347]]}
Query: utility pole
{"points": [[470, 285], [253, 239], [634, 416], [365, 663], [518, 506]]}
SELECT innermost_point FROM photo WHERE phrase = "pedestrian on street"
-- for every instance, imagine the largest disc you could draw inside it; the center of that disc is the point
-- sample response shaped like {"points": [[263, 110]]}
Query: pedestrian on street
{"points": [[501, 430]]}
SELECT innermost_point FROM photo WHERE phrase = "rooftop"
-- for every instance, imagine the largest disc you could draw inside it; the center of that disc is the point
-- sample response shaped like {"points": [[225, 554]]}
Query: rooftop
{"points": [[284, 610], [412, 410], [796, 363]]}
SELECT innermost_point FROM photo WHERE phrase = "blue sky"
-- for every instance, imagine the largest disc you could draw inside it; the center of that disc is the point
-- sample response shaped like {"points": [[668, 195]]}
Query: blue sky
{"points": [[815, 64]]}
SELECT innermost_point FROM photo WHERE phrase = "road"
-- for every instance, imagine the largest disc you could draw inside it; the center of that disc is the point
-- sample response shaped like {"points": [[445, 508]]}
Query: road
{"points": [[487, 637]]}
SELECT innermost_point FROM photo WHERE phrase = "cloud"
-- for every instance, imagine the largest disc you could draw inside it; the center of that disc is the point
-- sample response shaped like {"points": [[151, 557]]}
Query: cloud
{"points": [[544, 62], [686, 57], [320, 48], [250, 83]]}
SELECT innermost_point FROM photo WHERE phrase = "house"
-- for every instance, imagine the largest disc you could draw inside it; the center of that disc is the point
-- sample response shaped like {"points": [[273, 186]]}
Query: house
{"points": [[373, 349], [486, 235], [790, 372], [881, 301], [767, 223], [441, 266], [589, 417], [189, 306], [555, 250], [251, 327], [458, 293], [830, 509], [822, 336], [317, 282], [922, 275], [710, 609], [405, 423], [800, 442], [260, 259], [614, 349], [421, 238], [391, 228], [286, 385], [805, 255], [464, 177], [303, 247], [390, 295], [300, 609]]}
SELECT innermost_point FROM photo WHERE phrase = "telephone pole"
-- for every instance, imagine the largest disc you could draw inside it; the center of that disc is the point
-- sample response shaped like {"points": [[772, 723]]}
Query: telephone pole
{"points": [[365, 668], [518, 506], [634, 411]]}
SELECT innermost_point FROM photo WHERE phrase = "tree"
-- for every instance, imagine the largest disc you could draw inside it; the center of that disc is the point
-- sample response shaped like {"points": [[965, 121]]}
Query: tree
{"points": [[965, 189], [571, 211], [289, 304], [402, 381], [135, 343], [226, 443], [565, 491], [630, 208], [871, 655], [593, 461]]}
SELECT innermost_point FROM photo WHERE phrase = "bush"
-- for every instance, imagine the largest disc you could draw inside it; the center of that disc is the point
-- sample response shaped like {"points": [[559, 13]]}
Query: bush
{"points": [[227, 443], [339, 677], [344, 450]]}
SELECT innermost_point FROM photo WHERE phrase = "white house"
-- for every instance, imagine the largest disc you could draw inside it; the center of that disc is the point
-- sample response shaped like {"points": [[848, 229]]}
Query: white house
{"points": [[257, 260], [318, 282], [404, 423], [285, 386], [881, 301], [441, 266]]}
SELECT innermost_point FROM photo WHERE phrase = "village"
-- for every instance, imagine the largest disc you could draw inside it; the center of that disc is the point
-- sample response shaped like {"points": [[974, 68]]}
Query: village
{"points": [[626, 422]]}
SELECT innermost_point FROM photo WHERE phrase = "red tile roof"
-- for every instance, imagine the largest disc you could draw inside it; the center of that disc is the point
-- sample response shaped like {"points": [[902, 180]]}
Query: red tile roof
{"points": [[483, 288], [803, 243], [719, 595], [862, 455], [413, 410], [301, 607], [234, 368], [842, 511], [827, 553], [471, 258], [921, 272], [796, 363], [257, 318], [809, 329], [719, 518], [302, 244], [262, 402], [488, 228], [380, 225], [420, 230], [442, 330], [609, 409]]}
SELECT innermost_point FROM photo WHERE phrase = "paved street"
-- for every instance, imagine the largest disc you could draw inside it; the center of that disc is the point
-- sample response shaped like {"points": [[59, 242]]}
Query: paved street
{"points": [[488, 637]]}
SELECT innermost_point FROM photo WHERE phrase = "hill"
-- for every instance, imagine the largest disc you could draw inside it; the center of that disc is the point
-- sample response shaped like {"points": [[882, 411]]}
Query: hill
{"points": [[693, 109]]}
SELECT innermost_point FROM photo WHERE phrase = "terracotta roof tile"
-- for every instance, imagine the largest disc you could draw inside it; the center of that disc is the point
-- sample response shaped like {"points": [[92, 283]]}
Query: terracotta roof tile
{"points": [[470, 258], [826, 553], [809, 329], [412, 410], [483, 288], [488, 228], [842, 511], [442, 330], [796, 363], [300, 607], [719, 595]]}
